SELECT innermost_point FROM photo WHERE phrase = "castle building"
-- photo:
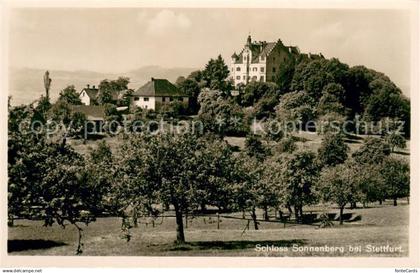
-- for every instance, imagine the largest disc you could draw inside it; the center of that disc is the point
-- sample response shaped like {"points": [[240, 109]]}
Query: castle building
{"points": [[260, 61]]}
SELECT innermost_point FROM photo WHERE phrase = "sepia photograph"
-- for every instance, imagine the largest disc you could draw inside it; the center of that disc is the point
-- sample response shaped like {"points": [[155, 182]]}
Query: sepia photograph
{"points": [[209, 131]]}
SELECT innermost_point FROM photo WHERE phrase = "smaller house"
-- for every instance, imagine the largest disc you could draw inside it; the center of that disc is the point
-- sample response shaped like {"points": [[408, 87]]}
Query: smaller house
{"points": [[94, 113], [89, 95], [157, 92]]}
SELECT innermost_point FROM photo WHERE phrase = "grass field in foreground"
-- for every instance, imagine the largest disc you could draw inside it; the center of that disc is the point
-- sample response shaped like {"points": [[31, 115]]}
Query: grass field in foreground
{"points": [[380, 226]]}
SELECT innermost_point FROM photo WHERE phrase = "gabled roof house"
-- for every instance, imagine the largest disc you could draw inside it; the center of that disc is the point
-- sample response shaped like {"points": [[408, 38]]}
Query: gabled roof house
{"points": [[157, 92]]}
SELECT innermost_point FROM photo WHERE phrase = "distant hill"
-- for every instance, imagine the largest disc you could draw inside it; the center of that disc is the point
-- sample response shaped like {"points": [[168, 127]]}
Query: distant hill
{"points": [[26, 84]]}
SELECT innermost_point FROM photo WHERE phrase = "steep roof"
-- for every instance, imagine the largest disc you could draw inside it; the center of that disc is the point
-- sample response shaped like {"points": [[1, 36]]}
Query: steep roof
{"points": [[91, 92], [262, 48], [159, 88], [92, 112]]}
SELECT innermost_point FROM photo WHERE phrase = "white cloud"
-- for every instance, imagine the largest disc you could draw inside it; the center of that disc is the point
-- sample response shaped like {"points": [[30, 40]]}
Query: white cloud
{"points": [[164, 22]]}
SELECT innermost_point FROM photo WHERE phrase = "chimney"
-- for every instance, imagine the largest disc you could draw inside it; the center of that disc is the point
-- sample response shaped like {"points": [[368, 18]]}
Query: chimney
{"points": [[152, 79], [88, 86], [93, 87]]}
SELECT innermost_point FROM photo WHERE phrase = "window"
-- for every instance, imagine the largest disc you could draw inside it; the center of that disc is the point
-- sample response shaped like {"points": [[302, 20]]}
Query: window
{"points": [[145, 107], [262, 69], [262, 78], [146, 99], [171, 99], [274, 69], [254, 69], [163, 99], [180, 99], [244, 77], [136, 98], [262, 58], [238, 77], [238, 69]]}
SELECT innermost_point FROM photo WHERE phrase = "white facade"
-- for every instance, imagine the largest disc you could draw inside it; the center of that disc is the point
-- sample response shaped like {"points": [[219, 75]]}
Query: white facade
{"points": [[145, 102], [84, 97], [244, 71], [153, 102]]}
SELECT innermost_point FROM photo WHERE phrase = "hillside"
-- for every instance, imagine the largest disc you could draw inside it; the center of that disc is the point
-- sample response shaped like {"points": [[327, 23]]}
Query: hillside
{"points": [[26, 84]]}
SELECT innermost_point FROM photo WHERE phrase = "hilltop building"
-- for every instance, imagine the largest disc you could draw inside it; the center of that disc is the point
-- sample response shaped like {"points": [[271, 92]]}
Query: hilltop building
{"points": [[260, 61], [157, 92]]}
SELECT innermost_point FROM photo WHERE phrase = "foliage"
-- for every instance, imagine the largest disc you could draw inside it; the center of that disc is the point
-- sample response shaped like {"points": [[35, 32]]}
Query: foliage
{"points": [[256, 188], [285, 74], [77, 125], [331, 100], [109, 89], [296, 107], [299, 173], [286, 145], [331, 123], [396, 174], [254, 91], [173, 109], [47, 180], [220, 115], [373, 150], [255, 148], [191, 88], [337, 185], [70, 95], [215, 75], [169, 169], [333, 150]]}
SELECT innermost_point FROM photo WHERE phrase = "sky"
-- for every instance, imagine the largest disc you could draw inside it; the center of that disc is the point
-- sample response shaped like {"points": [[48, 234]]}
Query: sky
{"points": [[122, 39]]}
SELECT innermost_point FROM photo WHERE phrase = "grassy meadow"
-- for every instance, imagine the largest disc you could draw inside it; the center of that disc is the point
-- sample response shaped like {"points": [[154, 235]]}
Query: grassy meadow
{"points": [[380, 225]]}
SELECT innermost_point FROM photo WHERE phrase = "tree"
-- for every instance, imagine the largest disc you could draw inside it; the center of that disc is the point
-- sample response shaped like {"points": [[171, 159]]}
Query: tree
{"points": [[286, 145], [47, 84], [70, 95], [60, 112], [332, 99], [47, 180], [126, 97], [285, 75], [331, 123], [192, 89], [109, 89], [215, 75], [396, 174], [41, 109], [255, 148], [254, 91], [296, 107], [78, 124], [180, 80], [254, 189], [333, 150], [395, 140], [299, 174], [373, 150], [168, 169], [221, 115], [336, 184]]}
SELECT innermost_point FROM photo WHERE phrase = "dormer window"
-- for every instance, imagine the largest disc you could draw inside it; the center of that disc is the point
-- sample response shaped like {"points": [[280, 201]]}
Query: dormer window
{"points": [[262, 58]]}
